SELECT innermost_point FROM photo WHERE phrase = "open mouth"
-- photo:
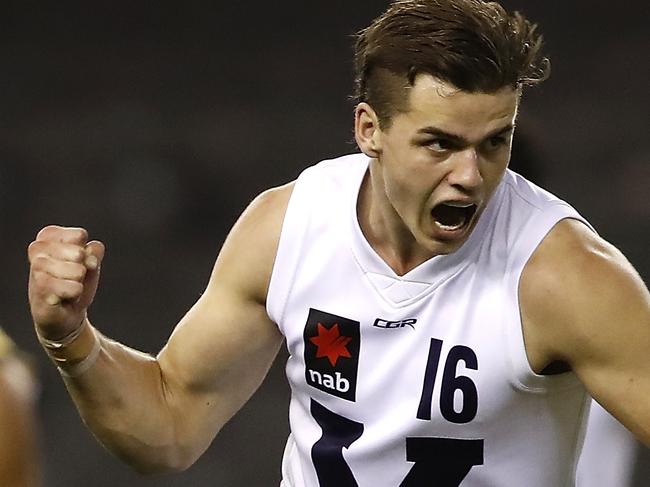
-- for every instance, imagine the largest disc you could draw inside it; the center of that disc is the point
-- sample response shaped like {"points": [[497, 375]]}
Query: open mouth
{"points": [[451, 216]]}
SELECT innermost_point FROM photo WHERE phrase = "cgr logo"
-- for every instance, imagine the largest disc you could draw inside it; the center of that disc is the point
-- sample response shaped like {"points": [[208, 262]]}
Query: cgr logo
{"points": [[379, 323]]}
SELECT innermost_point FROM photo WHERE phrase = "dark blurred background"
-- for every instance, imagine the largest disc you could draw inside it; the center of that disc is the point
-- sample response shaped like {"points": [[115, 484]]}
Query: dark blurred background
{"points": [[153, 124]]}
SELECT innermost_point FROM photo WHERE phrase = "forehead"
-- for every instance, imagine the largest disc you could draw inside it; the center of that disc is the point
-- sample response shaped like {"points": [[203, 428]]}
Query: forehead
{"points": [[432, 102]]}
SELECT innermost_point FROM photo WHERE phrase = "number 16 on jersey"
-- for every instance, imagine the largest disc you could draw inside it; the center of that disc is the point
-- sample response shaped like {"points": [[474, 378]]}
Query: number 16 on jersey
{"points": [[445, 461]]}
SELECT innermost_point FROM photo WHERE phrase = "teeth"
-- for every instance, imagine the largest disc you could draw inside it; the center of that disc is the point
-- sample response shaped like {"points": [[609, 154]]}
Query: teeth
{"points": [[451, 216], [457, 204], [449, 227]]}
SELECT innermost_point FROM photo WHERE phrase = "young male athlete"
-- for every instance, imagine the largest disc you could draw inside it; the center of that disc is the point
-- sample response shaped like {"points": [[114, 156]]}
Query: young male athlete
{"points": [[445, 318]]}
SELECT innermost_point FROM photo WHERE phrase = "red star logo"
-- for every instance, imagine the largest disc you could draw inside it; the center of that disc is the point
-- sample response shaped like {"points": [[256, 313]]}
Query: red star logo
{"points": [[331, 344]]}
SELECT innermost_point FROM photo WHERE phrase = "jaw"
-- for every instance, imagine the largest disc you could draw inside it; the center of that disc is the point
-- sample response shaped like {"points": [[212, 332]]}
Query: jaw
{"points": [[403, 242], [442, 239]]}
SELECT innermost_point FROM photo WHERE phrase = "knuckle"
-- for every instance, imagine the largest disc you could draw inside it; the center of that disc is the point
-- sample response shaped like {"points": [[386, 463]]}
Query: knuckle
{"points": [[41, 281], [73, 290], [63, 234], [40, 261], [44, 279], [78, 272], [73, 253], [46, 232], [79, 234], [34, 249]]}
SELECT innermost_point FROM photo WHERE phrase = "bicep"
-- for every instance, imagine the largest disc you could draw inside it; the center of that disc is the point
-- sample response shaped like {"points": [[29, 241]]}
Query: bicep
{"points": [[610, 348], [222, 349], [585, 305], [220, 352]]}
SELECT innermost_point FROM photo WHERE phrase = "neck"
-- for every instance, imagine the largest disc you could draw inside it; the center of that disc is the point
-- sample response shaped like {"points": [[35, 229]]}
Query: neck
{"points": [[383, 228]]}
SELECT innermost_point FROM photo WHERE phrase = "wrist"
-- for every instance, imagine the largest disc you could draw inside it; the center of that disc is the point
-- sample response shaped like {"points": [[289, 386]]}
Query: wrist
{"points": [[75, 353], [59, 343]]}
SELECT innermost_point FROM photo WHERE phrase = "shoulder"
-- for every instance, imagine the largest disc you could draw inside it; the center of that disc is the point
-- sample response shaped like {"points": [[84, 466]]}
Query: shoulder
{"points": [[247, 256], [574, 258], [266, 211], [575, 290], [582, 303]]}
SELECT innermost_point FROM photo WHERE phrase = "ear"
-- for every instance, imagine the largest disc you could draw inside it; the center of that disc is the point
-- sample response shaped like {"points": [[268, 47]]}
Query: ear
{"points": [[366, 130]]}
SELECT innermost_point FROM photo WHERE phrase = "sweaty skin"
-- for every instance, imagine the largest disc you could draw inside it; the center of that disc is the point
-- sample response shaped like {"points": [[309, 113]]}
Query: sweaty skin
{"points": [[582, 302]]}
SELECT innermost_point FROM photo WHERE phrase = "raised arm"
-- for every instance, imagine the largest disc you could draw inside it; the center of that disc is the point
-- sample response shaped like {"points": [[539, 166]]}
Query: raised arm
{"points": [[584, 304], [161, 413]]}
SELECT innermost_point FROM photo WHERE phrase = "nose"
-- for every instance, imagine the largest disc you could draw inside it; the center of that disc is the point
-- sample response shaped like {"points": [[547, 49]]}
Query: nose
{"points": [[465, 173]]}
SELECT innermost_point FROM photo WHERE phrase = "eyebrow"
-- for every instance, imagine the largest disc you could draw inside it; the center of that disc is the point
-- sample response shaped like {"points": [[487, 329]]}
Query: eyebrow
{"points": [[457, 139]]}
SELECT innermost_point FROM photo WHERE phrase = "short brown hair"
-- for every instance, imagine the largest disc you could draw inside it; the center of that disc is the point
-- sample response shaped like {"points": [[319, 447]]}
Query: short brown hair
{"points": [[475, 45]]}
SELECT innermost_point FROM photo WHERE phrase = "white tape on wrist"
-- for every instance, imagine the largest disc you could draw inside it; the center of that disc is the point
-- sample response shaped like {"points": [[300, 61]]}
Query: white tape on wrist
{"points": [[56, 351], [79, 368], [66, 340]]}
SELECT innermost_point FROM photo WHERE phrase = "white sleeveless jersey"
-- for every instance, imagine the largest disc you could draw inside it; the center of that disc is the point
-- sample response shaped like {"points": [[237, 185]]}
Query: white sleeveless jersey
{"points": [[421, 379]]}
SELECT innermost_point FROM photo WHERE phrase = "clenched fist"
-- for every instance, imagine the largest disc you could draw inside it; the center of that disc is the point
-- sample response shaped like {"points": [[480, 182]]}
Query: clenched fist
{"points": [[63, 279]]}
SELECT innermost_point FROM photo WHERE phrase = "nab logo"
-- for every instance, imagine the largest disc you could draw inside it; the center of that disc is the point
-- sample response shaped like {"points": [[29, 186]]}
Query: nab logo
{"points": [[332, 353], [379, 323]]}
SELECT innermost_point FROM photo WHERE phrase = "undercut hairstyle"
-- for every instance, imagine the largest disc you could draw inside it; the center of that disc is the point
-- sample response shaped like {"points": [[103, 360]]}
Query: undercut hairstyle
{"points": [[474, 45]]}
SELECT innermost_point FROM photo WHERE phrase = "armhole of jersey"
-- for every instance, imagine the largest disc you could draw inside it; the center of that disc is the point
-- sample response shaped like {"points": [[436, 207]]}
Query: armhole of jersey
{"points": [[289, 250], [291, 467], [523, 376]]}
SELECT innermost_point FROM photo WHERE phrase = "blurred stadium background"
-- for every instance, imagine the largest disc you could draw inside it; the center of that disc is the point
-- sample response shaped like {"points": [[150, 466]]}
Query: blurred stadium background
{"points": [[153, 124]]}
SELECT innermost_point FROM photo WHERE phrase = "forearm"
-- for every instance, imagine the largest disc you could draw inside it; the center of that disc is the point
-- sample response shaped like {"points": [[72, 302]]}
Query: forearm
{"points": [[158, 413], [121, 397]]}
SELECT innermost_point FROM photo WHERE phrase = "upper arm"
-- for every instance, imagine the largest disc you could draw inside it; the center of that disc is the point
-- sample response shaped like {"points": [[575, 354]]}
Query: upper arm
{"points": [[583, 303], [221, 350]]}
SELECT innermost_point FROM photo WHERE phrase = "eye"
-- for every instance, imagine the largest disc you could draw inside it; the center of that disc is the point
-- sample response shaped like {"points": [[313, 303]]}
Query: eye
{"points": [[496, 142], [439, 145]]}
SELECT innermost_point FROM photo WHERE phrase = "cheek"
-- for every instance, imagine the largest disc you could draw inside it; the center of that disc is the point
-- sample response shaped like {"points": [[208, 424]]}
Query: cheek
{"points": [[493, 174], [409, 189], [493, 169], [409, 177]]}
